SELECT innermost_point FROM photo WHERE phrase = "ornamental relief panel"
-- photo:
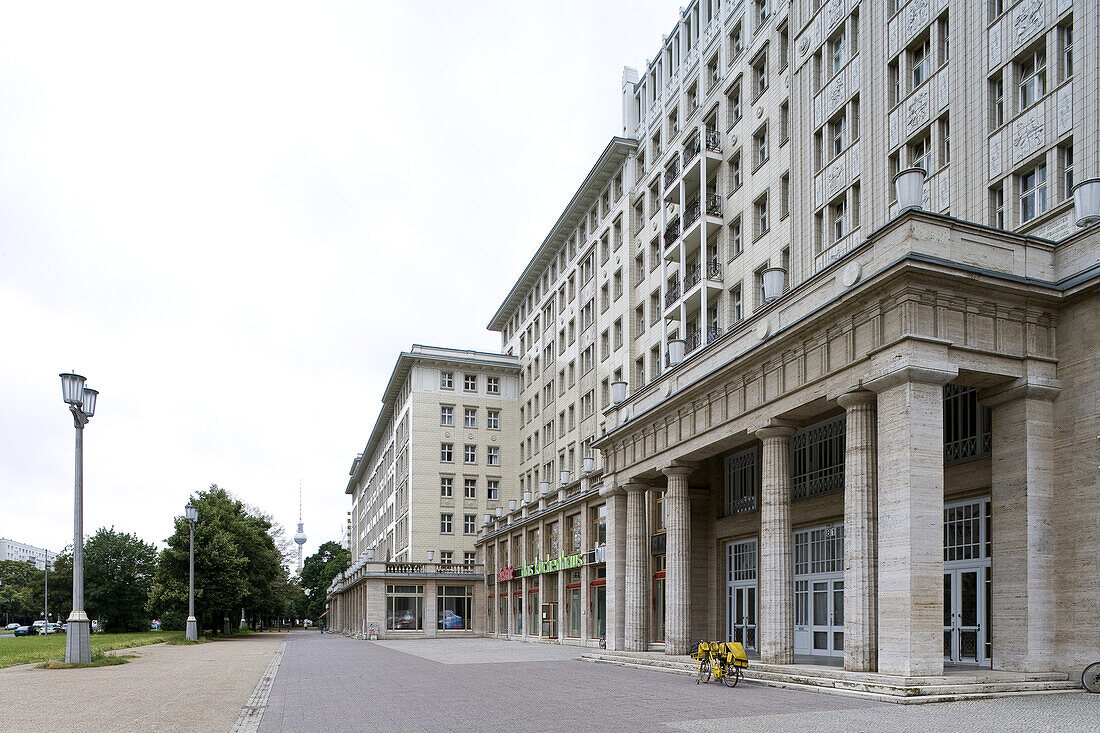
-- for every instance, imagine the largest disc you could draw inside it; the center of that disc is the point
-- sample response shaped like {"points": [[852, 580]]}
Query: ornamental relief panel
{"points": [[892, 36], [995, 34], [834, 13], [916, 111], [1027, 20], [943, 90], [996, 165], [1065, 109], [835, 94], [1028, 133], [834, 177], [894, 142], [916, 18]]}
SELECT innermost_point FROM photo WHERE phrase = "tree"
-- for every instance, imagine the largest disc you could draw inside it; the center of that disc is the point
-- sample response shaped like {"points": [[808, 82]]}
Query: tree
{"points": [[237, 564], [318, 571], [118, 576], [21, 587]]}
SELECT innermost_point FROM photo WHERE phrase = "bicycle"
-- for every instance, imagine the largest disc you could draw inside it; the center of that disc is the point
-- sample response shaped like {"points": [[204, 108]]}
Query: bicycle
{"points": [[1090, 678], [720, 661]]}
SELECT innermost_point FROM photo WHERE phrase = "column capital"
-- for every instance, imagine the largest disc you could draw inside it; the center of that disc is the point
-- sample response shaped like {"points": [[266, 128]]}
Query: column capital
{"points": [[679, 468], [856, 398], [918, 373], [1030, 387], [776, 428], [631, 487]]}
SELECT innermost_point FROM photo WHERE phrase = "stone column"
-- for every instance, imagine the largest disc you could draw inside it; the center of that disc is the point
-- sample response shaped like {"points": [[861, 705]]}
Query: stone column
{"points": [[616, 565], [860, 544], [1023, 525], [910, 520], [776, 616], [677, 561], [637, 587]]}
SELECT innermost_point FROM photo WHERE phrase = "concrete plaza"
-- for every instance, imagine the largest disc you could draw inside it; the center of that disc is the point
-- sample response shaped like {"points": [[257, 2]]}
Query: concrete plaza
{"points": [[332, 683]]}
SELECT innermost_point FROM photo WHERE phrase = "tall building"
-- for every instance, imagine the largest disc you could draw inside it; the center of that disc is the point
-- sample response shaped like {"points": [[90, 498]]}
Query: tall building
{"points": [[822, 421], [300, 535], [20, 552], [438, 457]]}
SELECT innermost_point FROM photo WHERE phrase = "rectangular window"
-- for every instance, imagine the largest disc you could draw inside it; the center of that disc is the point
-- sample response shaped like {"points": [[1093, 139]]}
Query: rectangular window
{"points": [[837, 52], [446, 523], [446, 380], [760, 144], [446, 452], [921, 61], [446, 416], [735, 171], [760, 75], [945, 40], [736, 246], [1067, 50], [1067, 171], [469, 383], [492, 419], [446, 557], [469, 454], [469, 559], [492, 488], [966, 425], [836, 135], [760, 213], [1033, 193], [469, 419], [446, 487], [492, 455], [996, 102], [404, 608], [492, 385], [945, 141], [733, 104], [893, 83], [817, 459], [838, 215], [1032, 73], [997, 207], [469, 524], [470, 488], [920, 154], [740, 485]]}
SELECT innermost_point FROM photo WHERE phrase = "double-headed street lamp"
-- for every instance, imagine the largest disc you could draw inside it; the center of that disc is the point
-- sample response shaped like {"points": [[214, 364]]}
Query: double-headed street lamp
{"points": [[192, 513], [81, 401]]}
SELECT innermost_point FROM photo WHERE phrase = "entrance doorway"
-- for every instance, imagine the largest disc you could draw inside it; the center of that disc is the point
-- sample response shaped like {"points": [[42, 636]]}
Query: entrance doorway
{"points": [[741, 593], [819, 591], [967, 584]]}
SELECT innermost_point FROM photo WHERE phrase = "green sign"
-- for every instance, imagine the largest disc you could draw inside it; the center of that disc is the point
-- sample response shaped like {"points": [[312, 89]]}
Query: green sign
{"points": [[565, 562]]}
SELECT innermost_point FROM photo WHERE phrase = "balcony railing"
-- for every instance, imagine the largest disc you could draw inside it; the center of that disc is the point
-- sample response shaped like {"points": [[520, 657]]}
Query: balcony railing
{"points": [[672, 294], [714, 205], [714, 141], [691, 276], [672, 231], [713, 333], [691, 212], [691, 148], [672, 171], [714, 269], [693, 341]]}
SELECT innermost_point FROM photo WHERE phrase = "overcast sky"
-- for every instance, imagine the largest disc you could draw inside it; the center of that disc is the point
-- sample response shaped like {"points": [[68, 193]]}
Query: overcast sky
{"points": [[231, 218]]}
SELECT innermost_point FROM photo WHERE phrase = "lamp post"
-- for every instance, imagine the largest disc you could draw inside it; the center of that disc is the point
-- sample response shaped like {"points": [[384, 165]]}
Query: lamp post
{"points": [[81, 402], [191, 512]]}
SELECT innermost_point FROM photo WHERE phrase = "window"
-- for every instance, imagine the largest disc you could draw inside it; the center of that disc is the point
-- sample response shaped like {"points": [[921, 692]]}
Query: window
{"points": [[588, 312], [735, 237], [836, 136], [469, 524], [760, 74], [737, 43], [492, 455], [469, 454], [945, 40], [617, 334], [996, 7], [617, 285], [920, 154], [996, 102], [492, 488], [639, 320], [1033, 193], [838, 215], [639, 268], [446, 557], [446, 487], [784, 195], [446, 452], [469, 558], [760, 214], [492, 419], [837, 52], [469, 419], [945, 141], [737, 311], [997, 207], [817, 459], [588, 404], [470, 488], [404, 608], [446, 416], [760, 12], [920, 59], [760, 144], [469, 383], [446, 523], [446, 380], [966, 425], [1067, 50], [1032, 73], [588, 359], [784, 122], [587, 268], [893, 83], [1067, 171], [733, 103], [740, 483], [735, 171]]}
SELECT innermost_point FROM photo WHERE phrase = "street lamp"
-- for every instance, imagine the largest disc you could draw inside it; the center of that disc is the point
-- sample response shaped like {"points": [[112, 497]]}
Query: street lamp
{"points": [[191, 512], [81, 402]]}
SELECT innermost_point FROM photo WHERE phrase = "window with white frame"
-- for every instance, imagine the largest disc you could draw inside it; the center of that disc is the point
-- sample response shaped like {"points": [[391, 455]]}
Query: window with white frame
{"points": [[1033, 193], [760, 74], [736, 246], [1031, 71], [492, 489], [446, 523], [1067, 170], [446, 380], [837, 135], [996, 102], [492, 455], [469, 524], [469, 454], [760, 144], [920, 153], [446, 452], [492, 385], [737, 309], [469, 419], [469, 488], [838, 217], [492, 419], [760, 214], [997, 207], [446, 415], [735, 171], [469, 383], [760, 12], [838, 52], [1066, 34], [446, 557], [733, 103], [920, 59], [446, 487]]}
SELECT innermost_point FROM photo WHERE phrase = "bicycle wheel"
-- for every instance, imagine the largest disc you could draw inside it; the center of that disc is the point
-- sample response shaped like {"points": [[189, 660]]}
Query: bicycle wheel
{"points": [[732, 676], [1090, 678], [704, 671]]}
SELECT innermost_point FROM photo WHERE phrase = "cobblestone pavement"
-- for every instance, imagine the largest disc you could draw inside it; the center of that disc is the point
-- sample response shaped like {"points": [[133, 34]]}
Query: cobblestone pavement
{"points": [[331, 683], [199, 687]]}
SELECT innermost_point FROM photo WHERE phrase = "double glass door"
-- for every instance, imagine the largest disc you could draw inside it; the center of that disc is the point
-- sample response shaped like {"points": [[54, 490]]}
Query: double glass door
{"points": [[827, 616], [963, 611], [741, 612]]}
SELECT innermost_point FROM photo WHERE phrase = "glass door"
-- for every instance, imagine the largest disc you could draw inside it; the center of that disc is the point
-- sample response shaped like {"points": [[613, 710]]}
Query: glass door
{"points": [[963, 610], [741, 612], [827, 623]]}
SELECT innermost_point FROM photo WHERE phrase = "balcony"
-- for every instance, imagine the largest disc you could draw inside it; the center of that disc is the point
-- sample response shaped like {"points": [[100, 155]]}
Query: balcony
{"points": [[714, 269], [714, 141], [691, 212], [713, 333], [672, 171], [691, 276], [694, 341], [714, 205], [691, 148], [672, 231], [672, 294]]}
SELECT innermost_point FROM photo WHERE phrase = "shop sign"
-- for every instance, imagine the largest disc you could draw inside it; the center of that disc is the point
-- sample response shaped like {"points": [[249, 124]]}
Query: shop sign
{"points": [[599, 554], [506, 574], [562, 562]]}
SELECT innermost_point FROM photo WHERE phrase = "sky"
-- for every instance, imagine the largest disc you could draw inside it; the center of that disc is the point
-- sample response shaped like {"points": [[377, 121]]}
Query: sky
{"points": [[231, 217]]}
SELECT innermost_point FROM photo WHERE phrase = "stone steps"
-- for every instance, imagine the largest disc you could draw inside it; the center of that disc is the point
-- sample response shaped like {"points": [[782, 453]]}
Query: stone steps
{"points": [[885, 688]]}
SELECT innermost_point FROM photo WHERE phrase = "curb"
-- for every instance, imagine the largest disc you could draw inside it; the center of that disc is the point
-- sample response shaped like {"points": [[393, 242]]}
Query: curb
{"points": [[253, 711]]}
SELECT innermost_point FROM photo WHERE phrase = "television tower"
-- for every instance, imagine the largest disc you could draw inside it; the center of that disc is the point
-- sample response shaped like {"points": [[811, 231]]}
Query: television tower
{"points": [[300, 536]]}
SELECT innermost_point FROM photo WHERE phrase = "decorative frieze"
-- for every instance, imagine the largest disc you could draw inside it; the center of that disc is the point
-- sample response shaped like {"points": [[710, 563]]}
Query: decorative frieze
{"points": [[894, 141], [834, 13], [1065, 109], [943, 88], [916, 18], [1028, 133], [916, 111], [1027, 20], [835, 178], [996, 33], [996, 146]]}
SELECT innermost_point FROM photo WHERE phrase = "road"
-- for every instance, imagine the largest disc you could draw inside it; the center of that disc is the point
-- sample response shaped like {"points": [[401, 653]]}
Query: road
{"points": [[331, 683]]}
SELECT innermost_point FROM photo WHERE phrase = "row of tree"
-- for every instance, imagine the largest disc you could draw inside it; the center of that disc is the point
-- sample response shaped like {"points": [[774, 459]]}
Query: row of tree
{"points": [[241, 566]]}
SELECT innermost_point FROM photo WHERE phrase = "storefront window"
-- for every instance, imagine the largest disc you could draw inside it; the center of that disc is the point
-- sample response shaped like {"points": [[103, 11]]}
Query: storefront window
{"points": [[405, 607], [456, 606], [573, 540]]}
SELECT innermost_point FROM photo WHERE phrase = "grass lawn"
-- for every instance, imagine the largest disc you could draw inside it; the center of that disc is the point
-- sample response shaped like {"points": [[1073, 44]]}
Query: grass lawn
{"points": [[29, 649]]}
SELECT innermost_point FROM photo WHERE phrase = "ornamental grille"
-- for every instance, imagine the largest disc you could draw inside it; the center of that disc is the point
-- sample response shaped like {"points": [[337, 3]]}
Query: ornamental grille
{"points": [[741, 483], [817, 459], [741, 560], [819, 550], [967, 531], [966, 434]]}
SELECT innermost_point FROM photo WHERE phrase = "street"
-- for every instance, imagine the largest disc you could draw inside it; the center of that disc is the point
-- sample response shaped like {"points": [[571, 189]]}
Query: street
{"points": [[332, 683]]}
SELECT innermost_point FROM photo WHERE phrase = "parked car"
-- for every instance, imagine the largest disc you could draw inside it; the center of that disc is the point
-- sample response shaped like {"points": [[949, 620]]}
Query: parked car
{"points": [[26, 631], [12, 627], [56, 628]]}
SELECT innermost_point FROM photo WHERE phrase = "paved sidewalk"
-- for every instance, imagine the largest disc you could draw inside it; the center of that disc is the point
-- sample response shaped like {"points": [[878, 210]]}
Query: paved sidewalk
{"points": [[201, 687]]}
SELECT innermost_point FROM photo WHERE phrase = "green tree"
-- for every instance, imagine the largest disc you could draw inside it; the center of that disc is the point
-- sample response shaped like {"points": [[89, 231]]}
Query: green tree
{"points": [[21, 588], [118, 576], [318, 570]]}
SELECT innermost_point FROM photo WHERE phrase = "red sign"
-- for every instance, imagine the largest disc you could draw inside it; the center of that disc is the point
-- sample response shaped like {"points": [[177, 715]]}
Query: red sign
{"points": [[506, 574]]}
